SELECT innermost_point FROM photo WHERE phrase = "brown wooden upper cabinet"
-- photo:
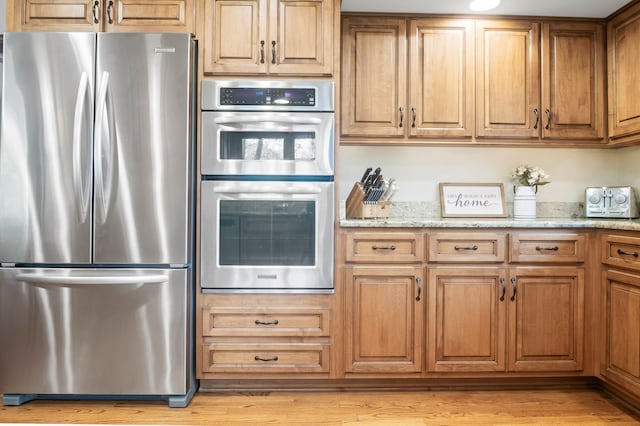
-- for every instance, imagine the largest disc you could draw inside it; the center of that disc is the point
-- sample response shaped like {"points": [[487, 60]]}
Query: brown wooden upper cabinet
{"points": [[268, 37], [558, 95], [623, 34], [533, 81], [100, 15], [379, 100]]}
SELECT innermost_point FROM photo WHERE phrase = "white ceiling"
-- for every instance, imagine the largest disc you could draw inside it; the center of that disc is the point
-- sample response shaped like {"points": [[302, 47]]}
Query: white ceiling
{"points": [[560, 8]]}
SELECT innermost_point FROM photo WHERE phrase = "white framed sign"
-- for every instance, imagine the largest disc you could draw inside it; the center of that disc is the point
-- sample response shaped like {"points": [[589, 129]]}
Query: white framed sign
{"points": [[472, 200]]}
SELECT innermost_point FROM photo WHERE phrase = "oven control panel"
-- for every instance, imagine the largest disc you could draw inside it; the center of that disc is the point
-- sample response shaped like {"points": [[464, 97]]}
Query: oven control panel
{"points": [[610, 202], [291, 96]]}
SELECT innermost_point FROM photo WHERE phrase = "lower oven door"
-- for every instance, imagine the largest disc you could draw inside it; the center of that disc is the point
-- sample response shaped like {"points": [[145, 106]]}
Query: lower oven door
{"points": [[266, 235]]}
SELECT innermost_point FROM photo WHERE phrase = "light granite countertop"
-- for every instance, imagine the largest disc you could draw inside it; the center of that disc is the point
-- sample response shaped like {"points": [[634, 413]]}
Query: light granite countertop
{"points": [[427, 215], [434, 222]]}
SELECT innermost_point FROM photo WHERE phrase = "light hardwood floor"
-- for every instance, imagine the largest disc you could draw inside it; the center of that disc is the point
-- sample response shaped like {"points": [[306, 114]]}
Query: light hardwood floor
{"points": [[406, 408]]}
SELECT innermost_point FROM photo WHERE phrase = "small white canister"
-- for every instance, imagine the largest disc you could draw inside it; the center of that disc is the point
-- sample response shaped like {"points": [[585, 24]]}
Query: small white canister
{"points": [[524, 202]]}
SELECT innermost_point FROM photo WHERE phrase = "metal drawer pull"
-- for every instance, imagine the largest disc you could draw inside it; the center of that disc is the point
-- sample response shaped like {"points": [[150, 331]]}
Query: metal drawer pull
{"points": [[413, 113], [262, 51], [274, 322], [554, 248], [419, 281], [535, 123], [548, 112], [401, 116], [473, 247], [96, 10], [515, 289], [273, 52], [504, 289], [391, 247], [259, 358], [628, 253]]}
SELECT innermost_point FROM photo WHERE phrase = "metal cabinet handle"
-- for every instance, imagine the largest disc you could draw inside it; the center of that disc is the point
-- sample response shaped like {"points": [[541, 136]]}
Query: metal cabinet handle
{"points": [[401, 116], [96, 11], [504, 289], [554, 248], [259, 358], [109, 10], [537, 113], [273, 52], [627, 253], [514, 283], [262, 51], [548, 112], [274, 322], [413, 113], [472, 248], [419, 282], [391, 247]]}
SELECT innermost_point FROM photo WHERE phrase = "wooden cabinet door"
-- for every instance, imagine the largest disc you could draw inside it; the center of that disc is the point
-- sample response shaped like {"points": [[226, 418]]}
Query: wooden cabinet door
{"points": [[235, 37], [300, 37], [54, 15], [441, 78], [623, 38], [384, 317], [621, 334], [149, 16], [508, 79], [573, 74], [466, 319], [373, 77], [546, 319]]}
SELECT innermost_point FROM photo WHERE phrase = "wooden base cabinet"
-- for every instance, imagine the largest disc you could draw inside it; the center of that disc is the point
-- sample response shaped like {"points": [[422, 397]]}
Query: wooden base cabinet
{"points": [[466, 319], [384, 325], [494, 319], [621, 329], [244, 336], [546, 319], [620, 357]]}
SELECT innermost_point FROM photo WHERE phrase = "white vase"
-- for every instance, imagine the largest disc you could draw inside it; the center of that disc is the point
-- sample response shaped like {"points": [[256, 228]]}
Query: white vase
{"points": [[524, 202]]}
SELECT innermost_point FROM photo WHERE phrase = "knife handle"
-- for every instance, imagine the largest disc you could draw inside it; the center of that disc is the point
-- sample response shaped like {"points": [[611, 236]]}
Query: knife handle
{"points": [[366, 175]]}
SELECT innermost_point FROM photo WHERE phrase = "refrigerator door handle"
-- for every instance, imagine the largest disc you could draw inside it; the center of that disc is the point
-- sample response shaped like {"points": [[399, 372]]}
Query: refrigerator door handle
{"points": [[79, 280], [105, 148], [81, 178]]}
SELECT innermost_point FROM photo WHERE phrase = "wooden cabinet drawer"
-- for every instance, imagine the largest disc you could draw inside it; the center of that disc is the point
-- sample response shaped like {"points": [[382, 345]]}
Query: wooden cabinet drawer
{"points": [[466, 247], [267, 321], [622, 251], [386, 247], [551, 247], [266, 358]]}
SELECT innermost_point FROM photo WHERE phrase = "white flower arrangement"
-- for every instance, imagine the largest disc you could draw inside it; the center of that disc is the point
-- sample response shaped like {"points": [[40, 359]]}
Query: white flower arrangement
{"points": [[530, 176]]}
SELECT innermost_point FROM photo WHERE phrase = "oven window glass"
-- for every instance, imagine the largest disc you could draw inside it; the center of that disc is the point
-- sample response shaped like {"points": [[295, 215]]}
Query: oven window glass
{"points": [[266, 232], [266, 145]]}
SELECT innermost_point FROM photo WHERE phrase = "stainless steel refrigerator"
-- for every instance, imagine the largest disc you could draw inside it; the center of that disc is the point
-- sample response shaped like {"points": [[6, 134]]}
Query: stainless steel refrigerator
{"points": [[96, 216]]}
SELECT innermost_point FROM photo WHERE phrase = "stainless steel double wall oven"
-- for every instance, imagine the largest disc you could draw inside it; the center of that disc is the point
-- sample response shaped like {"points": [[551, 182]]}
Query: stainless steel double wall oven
{"points": [[267, 203]]}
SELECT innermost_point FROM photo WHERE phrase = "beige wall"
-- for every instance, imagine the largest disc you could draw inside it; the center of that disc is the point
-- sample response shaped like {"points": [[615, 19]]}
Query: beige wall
{"points": [[418, 170]]}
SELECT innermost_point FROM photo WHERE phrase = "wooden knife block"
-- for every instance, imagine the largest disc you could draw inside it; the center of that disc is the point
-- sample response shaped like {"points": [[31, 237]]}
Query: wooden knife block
{"points": [[357, 209]]}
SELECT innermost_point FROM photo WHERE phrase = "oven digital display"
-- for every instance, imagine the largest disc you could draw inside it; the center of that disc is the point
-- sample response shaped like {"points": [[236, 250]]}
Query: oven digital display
{"points": [[267, 96]]}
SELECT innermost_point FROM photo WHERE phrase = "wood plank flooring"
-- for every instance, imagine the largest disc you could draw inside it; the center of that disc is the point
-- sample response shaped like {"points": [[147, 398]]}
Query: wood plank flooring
{"points": [[352, 408]]}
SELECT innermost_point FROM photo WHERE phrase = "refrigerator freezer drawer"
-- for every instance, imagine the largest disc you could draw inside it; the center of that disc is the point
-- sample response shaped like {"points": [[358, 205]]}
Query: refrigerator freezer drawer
{"points": [[94, 331]]}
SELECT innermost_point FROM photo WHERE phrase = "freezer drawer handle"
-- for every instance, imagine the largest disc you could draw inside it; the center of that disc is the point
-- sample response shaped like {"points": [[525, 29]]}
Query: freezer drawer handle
{"points": [[57, 279]]}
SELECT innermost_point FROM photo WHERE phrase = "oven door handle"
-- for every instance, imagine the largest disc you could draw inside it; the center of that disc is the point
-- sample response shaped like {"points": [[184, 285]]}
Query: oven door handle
{"points": [[236, 119], [285, 190]]}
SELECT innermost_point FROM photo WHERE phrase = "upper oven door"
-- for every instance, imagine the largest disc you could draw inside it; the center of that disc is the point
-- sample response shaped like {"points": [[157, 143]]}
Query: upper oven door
{"points": [[267, 143], [267, 235]]}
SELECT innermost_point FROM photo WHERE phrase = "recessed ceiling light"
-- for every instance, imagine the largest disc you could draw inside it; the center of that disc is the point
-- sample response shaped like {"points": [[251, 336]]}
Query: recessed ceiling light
{"points": [[483, 5]]}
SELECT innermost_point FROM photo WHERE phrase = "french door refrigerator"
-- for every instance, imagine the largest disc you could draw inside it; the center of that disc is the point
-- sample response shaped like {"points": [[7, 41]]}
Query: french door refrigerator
{"points": [[96, 216]]}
